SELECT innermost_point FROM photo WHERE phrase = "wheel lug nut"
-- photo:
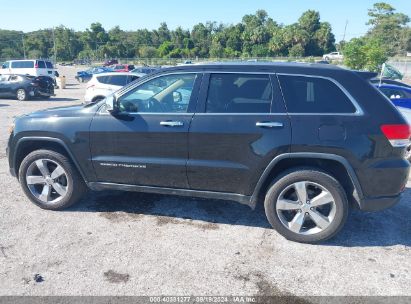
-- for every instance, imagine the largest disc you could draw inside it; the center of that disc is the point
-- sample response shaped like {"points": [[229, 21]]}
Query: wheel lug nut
{"points": [[312, 208], [306, 213]]}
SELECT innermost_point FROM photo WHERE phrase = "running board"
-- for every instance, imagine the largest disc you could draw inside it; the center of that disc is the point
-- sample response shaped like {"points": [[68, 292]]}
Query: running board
{"points": [[242, 199]]}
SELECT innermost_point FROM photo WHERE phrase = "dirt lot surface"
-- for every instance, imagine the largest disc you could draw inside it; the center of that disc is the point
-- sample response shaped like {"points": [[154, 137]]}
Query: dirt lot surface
{"points": [[115, 243]]}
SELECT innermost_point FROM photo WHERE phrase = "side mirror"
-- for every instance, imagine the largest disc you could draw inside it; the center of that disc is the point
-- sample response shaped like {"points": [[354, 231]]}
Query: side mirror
{"points": [[177, 97], [111, 104]]}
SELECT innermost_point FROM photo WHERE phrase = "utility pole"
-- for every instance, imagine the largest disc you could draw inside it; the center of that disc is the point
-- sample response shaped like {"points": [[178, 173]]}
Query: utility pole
{"points": [[24, 48], [345, 30], [54, 47]]}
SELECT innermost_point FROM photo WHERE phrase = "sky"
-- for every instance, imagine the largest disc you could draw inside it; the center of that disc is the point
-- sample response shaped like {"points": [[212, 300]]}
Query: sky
{"points": [[29, 15]]}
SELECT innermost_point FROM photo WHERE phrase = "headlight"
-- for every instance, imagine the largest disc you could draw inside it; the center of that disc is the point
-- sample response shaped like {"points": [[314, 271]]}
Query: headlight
{"points": [[11, 128]]}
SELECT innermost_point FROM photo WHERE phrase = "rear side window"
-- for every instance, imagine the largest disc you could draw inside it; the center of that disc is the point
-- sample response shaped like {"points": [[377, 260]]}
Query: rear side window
{"points": [[41, 64], [49, 65], [22, 64], [103, 79], [118, 80], [395, 93], [239, 93], [314, 95]]}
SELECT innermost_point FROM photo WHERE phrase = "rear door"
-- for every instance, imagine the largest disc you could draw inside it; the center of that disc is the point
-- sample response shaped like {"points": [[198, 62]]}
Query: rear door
{"points": [[49, 69], [41, 69], [240, 126]]}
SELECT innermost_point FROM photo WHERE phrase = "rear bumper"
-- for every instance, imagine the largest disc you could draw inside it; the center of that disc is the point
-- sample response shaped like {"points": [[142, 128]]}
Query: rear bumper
{"points": [[379, 203]]}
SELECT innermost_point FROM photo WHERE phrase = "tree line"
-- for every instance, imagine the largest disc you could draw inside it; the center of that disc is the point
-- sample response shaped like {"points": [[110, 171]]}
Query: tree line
{"points": [[257, 35]]}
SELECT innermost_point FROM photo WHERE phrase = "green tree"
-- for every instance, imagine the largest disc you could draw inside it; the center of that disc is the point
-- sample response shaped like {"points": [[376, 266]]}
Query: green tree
{"points": [[388, 26], [365, 54]]}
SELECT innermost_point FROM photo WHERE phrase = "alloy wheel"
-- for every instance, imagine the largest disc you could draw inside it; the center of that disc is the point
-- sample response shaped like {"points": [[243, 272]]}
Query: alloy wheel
{"points": [[306, 208], [47, 180]]}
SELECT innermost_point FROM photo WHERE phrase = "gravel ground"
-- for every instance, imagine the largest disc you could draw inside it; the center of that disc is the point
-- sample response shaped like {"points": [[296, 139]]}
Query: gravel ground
{"points": [[115, 243]]}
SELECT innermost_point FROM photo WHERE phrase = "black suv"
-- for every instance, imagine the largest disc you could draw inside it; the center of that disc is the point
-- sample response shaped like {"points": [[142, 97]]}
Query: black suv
{"points": [[309, 139]]}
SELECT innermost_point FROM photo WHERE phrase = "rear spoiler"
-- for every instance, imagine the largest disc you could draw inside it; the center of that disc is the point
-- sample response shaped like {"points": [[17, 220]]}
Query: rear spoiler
{"points": [[366, 75]]}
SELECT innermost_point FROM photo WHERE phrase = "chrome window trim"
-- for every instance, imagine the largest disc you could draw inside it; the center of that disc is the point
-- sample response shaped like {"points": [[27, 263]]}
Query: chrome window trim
{"points": [[358, 112], [358, 109]]}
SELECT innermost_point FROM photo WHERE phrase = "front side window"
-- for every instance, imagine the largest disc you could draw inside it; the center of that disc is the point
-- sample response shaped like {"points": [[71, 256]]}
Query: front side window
{"points": [[239, 93], [164, 94], [5, 65], [314, 95]]}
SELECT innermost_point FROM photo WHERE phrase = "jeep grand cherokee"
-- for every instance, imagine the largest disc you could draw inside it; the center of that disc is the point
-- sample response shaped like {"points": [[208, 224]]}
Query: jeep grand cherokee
{"points": [[311, 140]]}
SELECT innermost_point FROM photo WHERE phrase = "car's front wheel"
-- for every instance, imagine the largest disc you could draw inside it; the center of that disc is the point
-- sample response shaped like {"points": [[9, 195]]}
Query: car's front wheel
{"points": [[50, 180], [306, 205]]}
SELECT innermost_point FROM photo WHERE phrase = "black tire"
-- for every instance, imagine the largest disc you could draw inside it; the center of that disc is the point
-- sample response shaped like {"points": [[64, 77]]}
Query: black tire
{"points": [[315, 176], [21, 95], [76, 187]]}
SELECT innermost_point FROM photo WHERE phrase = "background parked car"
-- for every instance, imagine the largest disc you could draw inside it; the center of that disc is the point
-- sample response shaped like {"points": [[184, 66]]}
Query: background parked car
{"points": [[123, 67], [28, 67], [102, 85], [333, 56], [110, 62], [399, 95], [24, 87], [377, 81], [84, 76], [145, 70]]}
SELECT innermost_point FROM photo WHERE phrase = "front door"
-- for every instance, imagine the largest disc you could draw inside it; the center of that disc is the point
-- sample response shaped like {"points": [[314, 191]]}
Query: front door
{"points": [[147, 142], [240, 127]]}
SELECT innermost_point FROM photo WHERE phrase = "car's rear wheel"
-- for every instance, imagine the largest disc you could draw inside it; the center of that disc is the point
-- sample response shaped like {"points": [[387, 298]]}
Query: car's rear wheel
{"points": [[50, 180], [306, 205], [21, 95]]}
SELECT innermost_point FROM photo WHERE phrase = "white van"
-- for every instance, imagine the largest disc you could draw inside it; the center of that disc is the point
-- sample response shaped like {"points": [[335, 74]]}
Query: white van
{"points": [[38, 67]]}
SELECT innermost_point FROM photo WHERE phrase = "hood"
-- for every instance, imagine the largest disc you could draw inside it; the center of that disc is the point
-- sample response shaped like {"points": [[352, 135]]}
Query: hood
{"points": [[70, 111]]}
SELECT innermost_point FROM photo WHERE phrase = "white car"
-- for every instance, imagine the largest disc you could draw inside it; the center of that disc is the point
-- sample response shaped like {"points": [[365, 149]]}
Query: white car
{"points": [[333, 56], [33, 67], [103, 84]]}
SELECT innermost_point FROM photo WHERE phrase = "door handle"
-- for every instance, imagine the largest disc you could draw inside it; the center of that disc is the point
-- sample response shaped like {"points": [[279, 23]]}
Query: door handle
{"points": [[172, 123], [269, 124]]}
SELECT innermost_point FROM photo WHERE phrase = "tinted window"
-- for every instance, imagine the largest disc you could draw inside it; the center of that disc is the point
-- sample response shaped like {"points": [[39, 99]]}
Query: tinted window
{"points": [[165, 94], [131, 78], [118, 80], [103, 79], [314, 95], [49, 65], [22, 64], [395, 93], [41, 64], [239, 93], [5, 65]]}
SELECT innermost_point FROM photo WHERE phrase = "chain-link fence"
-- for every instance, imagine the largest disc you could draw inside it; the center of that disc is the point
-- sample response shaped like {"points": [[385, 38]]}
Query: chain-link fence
{"points": [[403, 65]]}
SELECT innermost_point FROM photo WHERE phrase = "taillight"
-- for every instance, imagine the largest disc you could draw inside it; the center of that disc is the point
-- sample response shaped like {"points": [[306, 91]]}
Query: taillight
{"points": [[398, 135]]}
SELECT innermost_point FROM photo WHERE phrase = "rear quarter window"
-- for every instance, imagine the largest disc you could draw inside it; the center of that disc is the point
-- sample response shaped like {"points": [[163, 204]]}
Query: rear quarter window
{"points": [[49, 65], [22, 64], [103, 79], [118, 80], [314, 95]]}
